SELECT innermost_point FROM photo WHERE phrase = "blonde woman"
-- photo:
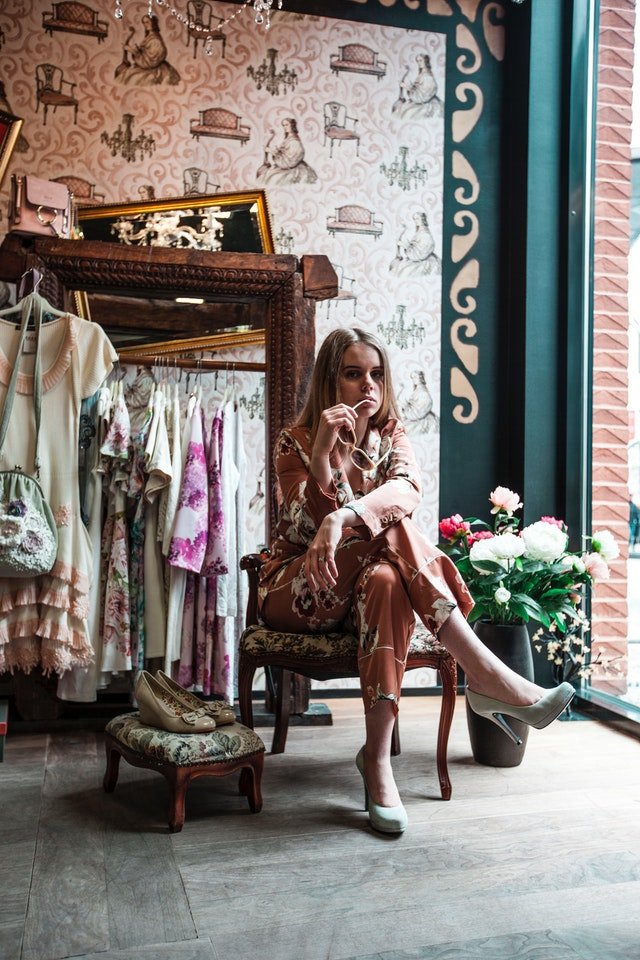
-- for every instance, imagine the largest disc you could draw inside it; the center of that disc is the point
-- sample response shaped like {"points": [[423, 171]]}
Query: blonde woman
{"points": [[346, 551]]}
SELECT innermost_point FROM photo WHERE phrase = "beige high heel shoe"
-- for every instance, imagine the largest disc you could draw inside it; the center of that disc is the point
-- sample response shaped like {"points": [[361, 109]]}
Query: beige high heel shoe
{"points": [[539, 714], [220, 710], [158, 708]]}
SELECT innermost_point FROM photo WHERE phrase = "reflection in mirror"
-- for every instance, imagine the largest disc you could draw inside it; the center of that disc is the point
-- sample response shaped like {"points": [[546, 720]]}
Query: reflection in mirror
{"points": [[167, 320], [231, 222]]}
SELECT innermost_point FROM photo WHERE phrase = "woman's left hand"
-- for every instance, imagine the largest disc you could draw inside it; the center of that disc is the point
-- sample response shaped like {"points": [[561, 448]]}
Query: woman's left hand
{"points": [[320, 563]]}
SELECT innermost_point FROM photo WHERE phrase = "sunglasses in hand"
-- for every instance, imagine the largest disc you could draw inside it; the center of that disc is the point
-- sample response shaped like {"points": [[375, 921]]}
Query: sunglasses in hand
{"points": [[359, 457]]}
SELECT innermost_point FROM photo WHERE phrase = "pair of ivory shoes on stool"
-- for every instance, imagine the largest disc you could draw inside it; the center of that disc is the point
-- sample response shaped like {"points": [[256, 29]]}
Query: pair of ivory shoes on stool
{"points": [[165, 704]]}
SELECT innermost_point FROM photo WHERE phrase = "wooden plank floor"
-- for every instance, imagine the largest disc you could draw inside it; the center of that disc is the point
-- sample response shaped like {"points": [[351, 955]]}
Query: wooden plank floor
{"points": [[538, 862]]}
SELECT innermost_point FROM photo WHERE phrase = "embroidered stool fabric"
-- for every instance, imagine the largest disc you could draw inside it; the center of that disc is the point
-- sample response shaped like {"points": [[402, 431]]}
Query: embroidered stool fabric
{"points": [[180, 758]]}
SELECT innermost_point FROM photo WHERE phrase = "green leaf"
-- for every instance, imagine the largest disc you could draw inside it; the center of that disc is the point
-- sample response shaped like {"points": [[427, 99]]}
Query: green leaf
{"points": [[490, 566], [519, 609]]}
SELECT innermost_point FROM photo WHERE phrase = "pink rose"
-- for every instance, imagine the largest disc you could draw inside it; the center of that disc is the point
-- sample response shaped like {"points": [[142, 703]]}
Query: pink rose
{"points": [[479, 535], [454, 527], [560, 524], [596, 566], [504, 501]]}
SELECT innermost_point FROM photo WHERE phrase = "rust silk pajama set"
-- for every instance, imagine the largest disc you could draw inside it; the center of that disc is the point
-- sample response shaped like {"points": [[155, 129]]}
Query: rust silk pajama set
{"points": [[387, 569]]}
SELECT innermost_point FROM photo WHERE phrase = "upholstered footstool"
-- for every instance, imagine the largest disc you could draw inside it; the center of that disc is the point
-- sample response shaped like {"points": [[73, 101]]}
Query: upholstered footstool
{"points": [[180, 758]]}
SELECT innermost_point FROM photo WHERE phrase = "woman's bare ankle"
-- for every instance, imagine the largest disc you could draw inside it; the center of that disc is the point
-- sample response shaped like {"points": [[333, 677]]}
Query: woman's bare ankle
{"points": [[380, 781]]}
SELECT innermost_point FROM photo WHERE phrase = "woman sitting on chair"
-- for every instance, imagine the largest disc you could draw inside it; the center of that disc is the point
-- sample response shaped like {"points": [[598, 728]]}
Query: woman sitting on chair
{"points": [[346, 551]]}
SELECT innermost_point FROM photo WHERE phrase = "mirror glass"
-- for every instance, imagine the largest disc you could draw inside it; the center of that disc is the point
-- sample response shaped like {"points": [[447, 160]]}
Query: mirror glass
{"points": [[159, 321]]}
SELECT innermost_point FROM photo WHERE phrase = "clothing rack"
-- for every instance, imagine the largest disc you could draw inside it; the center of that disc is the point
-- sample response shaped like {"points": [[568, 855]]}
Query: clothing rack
{"points": [[189, 363]]}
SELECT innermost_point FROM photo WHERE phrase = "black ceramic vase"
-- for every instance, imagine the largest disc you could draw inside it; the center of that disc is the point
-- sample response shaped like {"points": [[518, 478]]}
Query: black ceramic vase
{"points": [[490, 745]]}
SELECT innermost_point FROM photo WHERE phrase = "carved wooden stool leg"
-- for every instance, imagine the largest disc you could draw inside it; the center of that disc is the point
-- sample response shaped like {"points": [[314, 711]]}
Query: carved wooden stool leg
{"points": [[113, 765], [178, 779], [250, 780]]}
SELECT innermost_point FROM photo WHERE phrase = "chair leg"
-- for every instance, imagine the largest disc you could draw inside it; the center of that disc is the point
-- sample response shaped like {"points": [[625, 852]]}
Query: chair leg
{"points": [[246, 673], [283, 698], [113, 765], [448, 677], [395, 739]]}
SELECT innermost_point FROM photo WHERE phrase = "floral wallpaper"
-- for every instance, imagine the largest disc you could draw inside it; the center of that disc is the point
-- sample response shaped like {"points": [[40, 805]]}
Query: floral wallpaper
{"points": [[341, 123]]}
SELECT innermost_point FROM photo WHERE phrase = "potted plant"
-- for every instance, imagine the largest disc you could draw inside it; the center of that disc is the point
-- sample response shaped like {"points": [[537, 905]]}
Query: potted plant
{"points": [[517, 576]]}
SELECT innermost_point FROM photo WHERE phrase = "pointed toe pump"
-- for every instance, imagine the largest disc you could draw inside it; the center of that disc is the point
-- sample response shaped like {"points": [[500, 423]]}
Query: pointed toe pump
{"points": [[382, 819], [221, 711], [158, 708], [539, 714]]}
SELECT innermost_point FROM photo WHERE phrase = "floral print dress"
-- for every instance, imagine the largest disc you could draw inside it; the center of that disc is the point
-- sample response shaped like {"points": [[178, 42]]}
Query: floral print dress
{"points": [[116, 626], [43, 620]]}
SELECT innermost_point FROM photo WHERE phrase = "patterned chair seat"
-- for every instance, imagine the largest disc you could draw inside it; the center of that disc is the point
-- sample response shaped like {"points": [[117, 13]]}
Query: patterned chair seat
{"points": [[181, 758], [259, 640]]}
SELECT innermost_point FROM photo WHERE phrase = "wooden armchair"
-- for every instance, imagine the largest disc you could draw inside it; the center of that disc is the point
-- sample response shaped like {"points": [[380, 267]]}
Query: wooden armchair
{"points": [[338, 126], [201, 26], [327, 656], [52, 90]]}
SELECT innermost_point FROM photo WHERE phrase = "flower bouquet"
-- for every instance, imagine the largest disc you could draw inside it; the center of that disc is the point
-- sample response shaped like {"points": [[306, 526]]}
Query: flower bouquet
{"points": [[517, 576]]}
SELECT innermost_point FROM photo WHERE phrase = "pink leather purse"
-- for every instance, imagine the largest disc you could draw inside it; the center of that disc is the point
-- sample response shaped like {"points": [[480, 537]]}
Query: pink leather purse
{"points": [[39, 206]]}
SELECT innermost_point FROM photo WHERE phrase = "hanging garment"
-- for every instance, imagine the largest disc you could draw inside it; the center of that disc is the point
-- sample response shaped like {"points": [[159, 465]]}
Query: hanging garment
{"points": [[177, 575], [216, 559], [44, 620], [137, 479], [116, 617], [158, 467], [231, 588], [191, 524], [82, 683], [169, 498]]}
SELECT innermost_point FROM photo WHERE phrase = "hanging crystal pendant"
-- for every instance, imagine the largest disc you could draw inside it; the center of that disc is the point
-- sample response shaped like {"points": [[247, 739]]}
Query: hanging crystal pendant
{"points": [[118, 13]]}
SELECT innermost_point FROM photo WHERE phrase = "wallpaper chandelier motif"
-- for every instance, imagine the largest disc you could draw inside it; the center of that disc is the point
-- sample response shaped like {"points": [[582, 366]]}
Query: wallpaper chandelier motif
{"points": [[261, 12]]}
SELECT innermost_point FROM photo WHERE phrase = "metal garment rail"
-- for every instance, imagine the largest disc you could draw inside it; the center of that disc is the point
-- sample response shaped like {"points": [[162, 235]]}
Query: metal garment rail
{"points": [[189, 363]]}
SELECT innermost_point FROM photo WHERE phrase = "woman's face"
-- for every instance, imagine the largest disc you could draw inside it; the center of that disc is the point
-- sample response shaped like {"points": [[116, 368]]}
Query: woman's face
{"points": [[361, 378]]}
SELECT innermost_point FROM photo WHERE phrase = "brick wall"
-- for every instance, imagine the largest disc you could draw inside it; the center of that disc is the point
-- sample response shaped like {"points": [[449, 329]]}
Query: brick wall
{"points": [[610, 317]]}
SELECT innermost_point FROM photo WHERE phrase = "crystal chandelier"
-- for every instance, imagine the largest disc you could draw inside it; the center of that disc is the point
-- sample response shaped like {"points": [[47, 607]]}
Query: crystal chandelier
{"points": [[123, 142], [403, 335], [400, 172], [261, 14], [268, 77]]}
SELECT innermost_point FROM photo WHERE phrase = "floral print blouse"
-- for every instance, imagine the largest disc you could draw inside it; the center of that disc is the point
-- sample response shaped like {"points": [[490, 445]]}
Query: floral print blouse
{"points": [[389, 492]]}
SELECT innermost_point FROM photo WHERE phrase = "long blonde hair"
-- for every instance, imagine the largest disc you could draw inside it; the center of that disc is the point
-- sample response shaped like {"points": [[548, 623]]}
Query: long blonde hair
{"points": [[323, 389]]}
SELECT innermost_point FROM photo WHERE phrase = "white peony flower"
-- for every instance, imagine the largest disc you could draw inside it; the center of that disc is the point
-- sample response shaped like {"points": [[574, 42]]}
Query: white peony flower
{"points": [[544, 541], [501, 549], [506, 546], [502, 595], [482, 550], [604, 542]]}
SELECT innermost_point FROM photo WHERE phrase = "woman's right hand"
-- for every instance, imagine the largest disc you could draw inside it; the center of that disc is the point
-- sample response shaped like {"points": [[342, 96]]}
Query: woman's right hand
{"points": [[333, 421]]}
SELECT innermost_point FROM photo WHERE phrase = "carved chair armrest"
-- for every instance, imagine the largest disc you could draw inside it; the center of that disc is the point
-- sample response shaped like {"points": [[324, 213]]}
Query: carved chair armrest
{"points": [[252, 563], [68, 83]]}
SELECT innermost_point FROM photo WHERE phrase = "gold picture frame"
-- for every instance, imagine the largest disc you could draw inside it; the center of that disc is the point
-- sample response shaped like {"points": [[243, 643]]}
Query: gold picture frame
{"points": [[10, 127], [224, 222]]}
